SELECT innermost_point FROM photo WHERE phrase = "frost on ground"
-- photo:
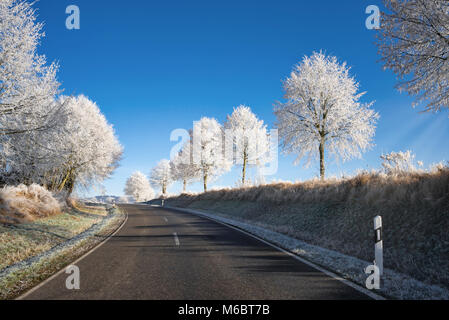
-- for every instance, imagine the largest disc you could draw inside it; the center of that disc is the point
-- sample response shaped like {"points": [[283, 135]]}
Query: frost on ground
{"points": [[394, 285], [33, 252], [337, 214]]}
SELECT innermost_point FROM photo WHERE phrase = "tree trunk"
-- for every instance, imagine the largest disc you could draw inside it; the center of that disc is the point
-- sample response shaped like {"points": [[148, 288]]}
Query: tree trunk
{"points": [[64, 181], [322, 168], [245, 161], [68, 183], [205, 182], [70, 187], [164, 189], [184, 189]]}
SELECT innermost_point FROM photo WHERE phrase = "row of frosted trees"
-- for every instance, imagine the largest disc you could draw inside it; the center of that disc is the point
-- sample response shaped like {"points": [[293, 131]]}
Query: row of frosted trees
{"points": [[211, 150], [323, 116], [56, 141]]}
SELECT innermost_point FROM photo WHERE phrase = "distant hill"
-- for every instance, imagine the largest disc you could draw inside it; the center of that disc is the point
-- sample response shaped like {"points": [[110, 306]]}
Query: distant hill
{"points": [[110, 199]]}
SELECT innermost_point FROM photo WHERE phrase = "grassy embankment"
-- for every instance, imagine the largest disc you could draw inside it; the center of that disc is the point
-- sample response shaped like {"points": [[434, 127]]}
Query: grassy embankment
{"points": [[338, 215], [32, 251]]}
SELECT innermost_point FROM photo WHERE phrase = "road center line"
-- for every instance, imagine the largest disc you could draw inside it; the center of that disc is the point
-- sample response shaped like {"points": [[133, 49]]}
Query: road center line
{"points": [[176, 239]]}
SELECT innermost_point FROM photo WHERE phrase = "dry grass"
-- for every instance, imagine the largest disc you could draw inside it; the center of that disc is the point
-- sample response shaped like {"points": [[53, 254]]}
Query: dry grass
{"points": [[99, 210], [26, 203], [338, 214], [22, 241], [367, 188]]}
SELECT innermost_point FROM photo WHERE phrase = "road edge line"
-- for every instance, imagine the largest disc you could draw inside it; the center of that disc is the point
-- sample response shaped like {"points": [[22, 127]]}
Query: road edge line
{"points": [[43, 283]]}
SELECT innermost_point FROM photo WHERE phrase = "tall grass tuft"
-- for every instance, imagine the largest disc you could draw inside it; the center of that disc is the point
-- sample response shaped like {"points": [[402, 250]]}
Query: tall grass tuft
{"points": [[23, 203]]}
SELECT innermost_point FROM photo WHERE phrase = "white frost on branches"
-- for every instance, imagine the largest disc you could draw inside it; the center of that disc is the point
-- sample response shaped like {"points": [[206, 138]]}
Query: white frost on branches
{"points": [[58, 143], [398, 162], [81, 150], [183, 168], [28, 85], [139, 187], [414, 43], [90, 147], [323, 112], [161, 176], [250, 140], [208, 149]]}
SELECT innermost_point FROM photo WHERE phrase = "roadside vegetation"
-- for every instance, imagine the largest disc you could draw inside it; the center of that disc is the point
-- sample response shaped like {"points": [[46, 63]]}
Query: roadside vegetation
{"points": [[338, 214], [19, 242], [33, 251], [50, 146], [27, 203]]}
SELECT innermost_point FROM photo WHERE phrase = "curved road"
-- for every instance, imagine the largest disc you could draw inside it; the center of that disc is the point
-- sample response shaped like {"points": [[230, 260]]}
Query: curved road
{"points": [[169, 255]]}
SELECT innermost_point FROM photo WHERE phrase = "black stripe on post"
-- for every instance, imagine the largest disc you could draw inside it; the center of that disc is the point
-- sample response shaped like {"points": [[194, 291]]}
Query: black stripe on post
{"points": [[378, 235]]}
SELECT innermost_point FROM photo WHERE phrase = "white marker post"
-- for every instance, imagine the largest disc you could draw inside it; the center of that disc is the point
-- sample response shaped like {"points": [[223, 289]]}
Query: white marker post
{"points": [[378, 247]]}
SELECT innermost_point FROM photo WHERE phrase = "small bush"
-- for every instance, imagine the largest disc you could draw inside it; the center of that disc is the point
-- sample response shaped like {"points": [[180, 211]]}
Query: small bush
{"points": [[26, 203]]}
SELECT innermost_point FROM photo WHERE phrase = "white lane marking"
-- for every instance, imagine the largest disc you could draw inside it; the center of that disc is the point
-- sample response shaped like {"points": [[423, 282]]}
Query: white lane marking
{"points": [[176, 239], [166, 220], [291, 254]]}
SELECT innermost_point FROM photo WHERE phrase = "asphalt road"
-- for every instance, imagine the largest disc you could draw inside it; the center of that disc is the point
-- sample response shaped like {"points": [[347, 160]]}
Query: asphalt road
{"points": [[169, 255]]}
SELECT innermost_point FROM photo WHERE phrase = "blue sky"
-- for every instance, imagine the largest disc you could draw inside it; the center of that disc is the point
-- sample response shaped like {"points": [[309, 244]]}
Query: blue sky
{"points": [[155, 66]]}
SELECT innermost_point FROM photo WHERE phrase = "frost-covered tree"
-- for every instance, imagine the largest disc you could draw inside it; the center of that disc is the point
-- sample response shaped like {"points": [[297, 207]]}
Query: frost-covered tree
{"points": [[28, 110], [57, 143], [161, 176], [183, 168], [86, 149], [398, 162], [90, 147], [323, 113], [249, 139], [30, 156], [82, 150], [27, 84], [139, 187], [208, 149], [414, 43]]}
